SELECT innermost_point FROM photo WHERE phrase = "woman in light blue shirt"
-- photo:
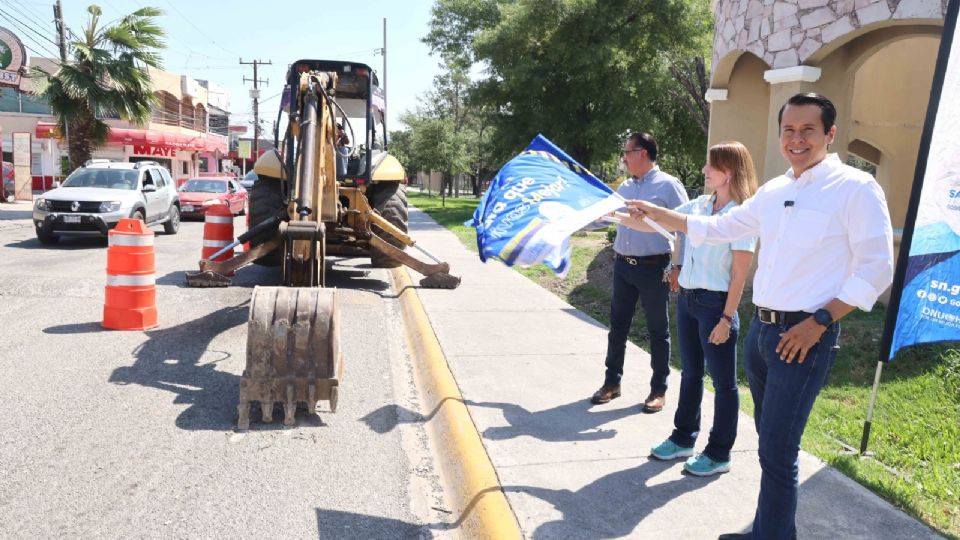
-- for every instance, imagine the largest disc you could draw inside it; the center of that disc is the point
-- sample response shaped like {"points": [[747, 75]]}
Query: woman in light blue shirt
{"points": [[710, 280]]}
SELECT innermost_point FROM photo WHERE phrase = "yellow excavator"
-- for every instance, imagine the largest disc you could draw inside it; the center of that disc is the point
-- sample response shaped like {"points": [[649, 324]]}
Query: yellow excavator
{"points": [[325, 191]]}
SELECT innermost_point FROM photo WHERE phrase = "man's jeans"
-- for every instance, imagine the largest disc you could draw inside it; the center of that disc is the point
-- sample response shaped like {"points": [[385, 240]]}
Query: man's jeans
{"points": [[698, 312], [630, 282], [783, 395]]}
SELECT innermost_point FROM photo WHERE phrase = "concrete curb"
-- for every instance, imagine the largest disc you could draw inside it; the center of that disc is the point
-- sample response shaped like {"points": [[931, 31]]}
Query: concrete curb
{"points": [[469, 476]]}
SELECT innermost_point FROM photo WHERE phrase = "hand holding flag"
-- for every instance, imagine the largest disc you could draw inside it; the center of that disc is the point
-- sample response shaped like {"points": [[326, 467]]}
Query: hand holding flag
{"points": [[535, 202]]}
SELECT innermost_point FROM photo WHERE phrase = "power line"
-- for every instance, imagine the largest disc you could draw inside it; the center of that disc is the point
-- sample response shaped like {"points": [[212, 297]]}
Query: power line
{"points": [[25, 25], [33, 15], [20, 24], [202, 32]]}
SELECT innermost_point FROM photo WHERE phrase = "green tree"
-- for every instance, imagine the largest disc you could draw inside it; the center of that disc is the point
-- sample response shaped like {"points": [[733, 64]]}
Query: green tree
{"points": [[107, 77], [582, 72]]}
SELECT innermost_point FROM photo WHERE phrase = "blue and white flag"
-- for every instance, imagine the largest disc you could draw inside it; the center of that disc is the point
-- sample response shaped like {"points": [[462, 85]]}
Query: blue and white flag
{"points": [[925, 298], [536, 201]]}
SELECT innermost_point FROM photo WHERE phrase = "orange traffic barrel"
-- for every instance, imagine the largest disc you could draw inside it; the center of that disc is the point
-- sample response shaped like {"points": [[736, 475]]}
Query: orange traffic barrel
{"points": [[130, 301], [217, 232]]}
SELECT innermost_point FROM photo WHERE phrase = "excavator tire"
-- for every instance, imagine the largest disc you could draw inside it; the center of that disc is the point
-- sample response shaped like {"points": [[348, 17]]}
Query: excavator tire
{"points": [[266, 200], [390, 200], [293, 352]]}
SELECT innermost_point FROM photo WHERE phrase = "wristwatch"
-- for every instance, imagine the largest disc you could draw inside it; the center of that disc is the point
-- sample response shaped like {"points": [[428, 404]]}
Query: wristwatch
{"points": [[823, 317]]}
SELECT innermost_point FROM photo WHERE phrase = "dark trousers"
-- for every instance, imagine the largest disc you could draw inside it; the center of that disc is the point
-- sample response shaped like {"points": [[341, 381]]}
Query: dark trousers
{"points": [[630, 283], [783, 395], [698, 312]]}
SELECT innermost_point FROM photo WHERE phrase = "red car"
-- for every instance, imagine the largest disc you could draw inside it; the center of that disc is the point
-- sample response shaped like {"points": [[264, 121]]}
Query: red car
{"points": [[198, 194]]}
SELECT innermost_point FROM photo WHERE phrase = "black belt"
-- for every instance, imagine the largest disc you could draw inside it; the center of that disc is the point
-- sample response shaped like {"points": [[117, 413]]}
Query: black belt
{"points": [[770, 316], [660, 258]]}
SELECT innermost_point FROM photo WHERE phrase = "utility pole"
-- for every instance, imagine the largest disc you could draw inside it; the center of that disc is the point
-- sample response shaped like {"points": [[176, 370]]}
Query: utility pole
{"points": [[255, 94], [62, 40], [383, 83], [383, 80]]}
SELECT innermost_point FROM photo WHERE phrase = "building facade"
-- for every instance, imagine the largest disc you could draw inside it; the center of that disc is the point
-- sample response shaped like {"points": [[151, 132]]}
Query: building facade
{"points": [[873, 58], [187, 131]]}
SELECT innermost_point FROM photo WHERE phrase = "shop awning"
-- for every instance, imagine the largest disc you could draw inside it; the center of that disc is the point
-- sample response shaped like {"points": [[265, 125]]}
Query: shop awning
{"points": [[204, 142]]}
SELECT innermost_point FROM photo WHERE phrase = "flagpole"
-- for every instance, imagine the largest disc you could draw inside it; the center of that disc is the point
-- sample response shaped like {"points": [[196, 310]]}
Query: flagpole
{"points": [[865, 437], [903, 258], [656, 226]]}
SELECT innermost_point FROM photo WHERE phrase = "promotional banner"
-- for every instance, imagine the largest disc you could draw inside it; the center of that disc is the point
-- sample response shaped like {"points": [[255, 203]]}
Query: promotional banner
{"points": [[536, 201], [925, 299]]}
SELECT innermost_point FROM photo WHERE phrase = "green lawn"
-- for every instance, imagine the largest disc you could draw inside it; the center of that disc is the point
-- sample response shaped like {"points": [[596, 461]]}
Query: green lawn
{"points": [[916, 426]]}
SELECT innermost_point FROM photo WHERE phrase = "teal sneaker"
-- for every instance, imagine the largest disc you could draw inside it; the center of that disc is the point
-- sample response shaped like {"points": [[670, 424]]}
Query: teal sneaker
{"points": [[667, 450], [704, 466]]}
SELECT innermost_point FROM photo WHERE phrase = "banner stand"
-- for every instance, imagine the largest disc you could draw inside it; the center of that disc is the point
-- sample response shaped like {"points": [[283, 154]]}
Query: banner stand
{"points": [[887, 347]]}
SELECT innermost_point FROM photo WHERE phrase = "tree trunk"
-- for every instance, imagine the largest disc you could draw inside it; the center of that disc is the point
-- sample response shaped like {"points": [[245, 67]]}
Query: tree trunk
{"points": [[80, 150]]}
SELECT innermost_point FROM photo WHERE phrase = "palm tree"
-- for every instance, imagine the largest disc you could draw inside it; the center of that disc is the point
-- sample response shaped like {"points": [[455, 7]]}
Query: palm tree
{"points": [[107, 77]]}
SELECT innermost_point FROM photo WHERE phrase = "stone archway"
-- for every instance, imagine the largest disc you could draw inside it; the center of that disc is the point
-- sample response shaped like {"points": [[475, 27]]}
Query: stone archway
{"points": [[880, 82], [740, 112]]}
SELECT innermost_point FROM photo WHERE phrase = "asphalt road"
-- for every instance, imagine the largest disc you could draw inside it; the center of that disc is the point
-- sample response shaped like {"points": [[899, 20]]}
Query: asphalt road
{"points": [[109, 434]]}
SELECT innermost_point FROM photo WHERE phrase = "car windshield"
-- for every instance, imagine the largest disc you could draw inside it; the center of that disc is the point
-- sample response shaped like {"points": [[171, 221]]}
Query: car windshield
{"points": [[204, 186], [103, 178]]}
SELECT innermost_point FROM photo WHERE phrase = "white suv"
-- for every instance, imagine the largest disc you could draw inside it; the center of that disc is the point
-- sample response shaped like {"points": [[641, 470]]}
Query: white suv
{"points": [[94, 198]]}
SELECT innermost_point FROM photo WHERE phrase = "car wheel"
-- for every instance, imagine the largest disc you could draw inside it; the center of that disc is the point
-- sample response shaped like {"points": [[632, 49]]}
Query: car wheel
{"points": [[138, 214], [172, 225], [47, 238], [243, 209]]}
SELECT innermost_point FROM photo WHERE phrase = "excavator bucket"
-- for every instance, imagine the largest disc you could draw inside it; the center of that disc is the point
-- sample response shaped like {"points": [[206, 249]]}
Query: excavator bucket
{"points": [[293, 352]]}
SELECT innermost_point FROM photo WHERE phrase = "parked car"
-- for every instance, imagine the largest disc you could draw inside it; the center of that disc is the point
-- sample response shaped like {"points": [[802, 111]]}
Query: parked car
{"points": [[248, 179], [7, 185], [94, 198], [198, 194]]}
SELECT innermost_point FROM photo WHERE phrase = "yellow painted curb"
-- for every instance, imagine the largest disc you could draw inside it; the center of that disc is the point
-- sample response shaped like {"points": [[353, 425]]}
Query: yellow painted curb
{"points": [[472, 483]]}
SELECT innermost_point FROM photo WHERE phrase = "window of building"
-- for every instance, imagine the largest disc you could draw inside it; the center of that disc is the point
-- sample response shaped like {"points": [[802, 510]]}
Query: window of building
{"points": [[9, 100]]}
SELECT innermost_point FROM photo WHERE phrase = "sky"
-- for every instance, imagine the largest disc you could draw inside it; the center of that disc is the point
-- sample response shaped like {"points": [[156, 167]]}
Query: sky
{"points": [[207, 38]]}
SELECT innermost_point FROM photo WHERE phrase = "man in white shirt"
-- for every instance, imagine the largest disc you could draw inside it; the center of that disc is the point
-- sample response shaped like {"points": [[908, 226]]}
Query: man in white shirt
{"points": [[826, 249]]}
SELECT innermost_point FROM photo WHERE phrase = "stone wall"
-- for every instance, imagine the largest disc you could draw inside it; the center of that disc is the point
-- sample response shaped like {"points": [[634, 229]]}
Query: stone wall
{"points": [[784, 33]]}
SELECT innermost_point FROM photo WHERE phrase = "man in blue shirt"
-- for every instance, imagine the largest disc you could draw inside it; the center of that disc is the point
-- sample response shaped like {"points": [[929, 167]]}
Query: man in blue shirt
{"points": [[641, 261]]}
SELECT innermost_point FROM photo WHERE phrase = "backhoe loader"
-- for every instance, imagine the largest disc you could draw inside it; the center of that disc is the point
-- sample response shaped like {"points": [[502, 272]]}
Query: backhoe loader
{"points": [[316, 195]]}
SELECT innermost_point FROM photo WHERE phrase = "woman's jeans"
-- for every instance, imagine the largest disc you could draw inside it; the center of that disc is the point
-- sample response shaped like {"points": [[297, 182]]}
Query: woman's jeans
{"points": [[698, 311], [783, 395]]}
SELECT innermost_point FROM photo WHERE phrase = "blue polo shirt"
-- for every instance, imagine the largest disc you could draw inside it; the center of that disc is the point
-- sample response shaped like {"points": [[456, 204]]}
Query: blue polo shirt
{"points": [[659, 188]]}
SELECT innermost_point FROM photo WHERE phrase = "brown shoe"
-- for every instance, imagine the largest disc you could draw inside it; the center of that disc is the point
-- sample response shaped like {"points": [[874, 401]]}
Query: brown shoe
{"points": [[654, 402], [605, 394]]}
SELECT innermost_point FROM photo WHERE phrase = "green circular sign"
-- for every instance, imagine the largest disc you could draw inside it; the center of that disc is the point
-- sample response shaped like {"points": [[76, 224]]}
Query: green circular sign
{"points": [[6, 56]]}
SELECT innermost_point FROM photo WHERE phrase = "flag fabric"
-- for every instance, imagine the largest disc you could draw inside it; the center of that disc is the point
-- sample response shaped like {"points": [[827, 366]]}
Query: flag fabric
{"points": [[535, 202], [925, 298]]}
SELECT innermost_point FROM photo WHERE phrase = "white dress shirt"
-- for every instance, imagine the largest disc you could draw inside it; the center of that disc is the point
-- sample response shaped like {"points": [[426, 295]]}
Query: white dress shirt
{"points": [[823, 235]]}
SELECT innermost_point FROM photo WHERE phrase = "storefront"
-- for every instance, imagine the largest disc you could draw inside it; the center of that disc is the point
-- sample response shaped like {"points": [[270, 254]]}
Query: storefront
{"points": [[180, 153]]}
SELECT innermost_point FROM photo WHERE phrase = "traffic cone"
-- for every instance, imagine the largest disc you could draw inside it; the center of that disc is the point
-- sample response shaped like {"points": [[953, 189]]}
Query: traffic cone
{"points": [[130, 297], [217, 232]]}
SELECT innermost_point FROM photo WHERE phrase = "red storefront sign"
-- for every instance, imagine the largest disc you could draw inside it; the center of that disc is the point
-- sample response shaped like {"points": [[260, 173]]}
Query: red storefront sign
{"points": [[154, 150]]}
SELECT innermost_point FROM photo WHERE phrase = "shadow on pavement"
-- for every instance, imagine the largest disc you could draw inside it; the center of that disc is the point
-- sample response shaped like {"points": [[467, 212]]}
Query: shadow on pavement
{"points": [[575, 421], [169, 360], [9, 215], [387, 418], [340, 524], [65, 243], [611, 506], [80, 328]]}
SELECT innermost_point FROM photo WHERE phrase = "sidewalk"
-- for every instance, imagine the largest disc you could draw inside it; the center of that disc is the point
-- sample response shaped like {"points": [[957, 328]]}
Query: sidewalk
{"points": [[526, 362]]}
